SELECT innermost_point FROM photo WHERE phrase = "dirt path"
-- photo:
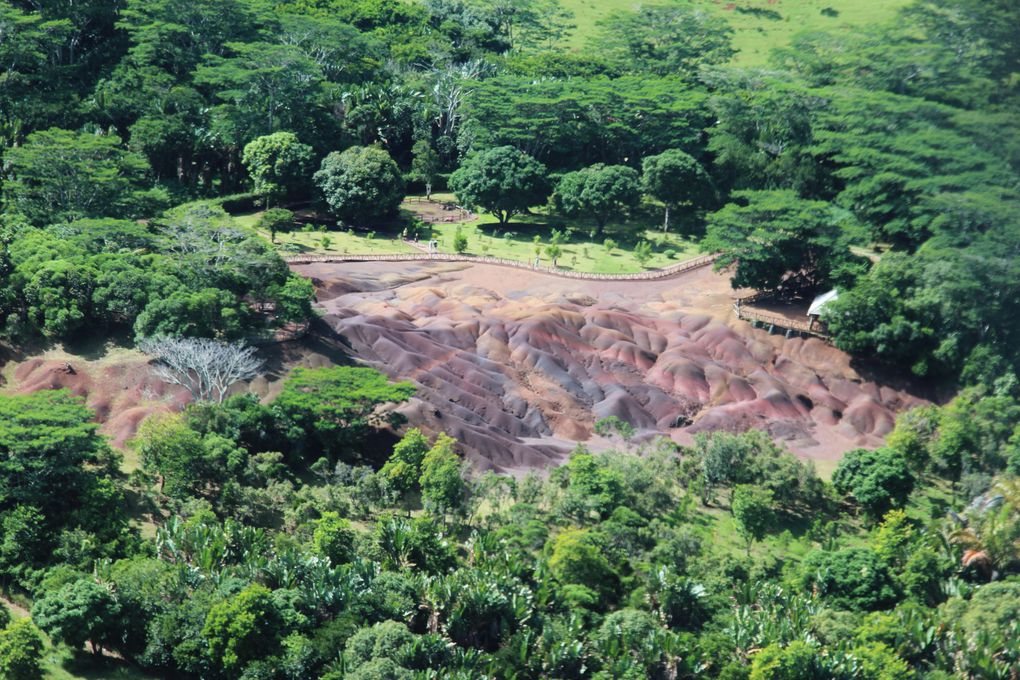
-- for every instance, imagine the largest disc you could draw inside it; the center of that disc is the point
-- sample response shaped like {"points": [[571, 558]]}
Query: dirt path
{"points": [[670, 272]]}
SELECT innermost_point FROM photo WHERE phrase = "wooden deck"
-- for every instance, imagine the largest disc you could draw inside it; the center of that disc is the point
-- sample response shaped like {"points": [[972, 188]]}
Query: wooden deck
{"points": [[789, 318]]}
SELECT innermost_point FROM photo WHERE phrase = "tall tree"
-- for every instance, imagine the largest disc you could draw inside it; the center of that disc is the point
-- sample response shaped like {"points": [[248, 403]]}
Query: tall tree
{"points": [[677, 179], [667, 39], [602, 192], [442, 478], [330, 409], [61, 176], [278, 165], [503, 181], [47, 440], [426, 165], [361, 184], [779, 242]]}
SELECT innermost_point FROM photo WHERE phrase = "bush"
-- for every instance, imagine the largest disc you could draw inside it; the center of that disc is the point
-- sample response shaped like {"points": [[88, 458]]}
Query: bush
{"points": [[460, 242]]}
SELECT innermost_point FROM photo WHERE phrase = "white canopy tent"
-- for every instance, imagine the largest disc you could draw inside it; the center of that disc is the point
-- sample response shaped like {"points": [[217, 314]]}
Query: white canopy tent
{"points": [[819, 303]]}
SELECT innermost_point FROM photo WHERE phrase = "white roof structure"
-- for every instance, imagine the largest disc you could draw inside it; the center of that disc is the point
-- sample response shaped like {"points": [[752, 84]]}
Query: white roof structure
{"points": [[819, 303]]}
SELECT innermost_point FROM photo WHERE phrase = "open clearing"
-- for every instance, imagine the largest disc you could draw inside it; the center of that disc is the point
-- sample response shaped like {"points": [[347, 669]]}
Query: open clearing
{"points": [[759, 25]]}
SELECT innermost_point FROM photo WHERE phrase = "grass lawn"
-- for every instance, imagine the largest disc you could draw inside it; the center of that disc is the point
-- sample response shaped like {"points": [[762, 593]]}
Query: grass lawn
{"points": [[338, 243], [580, 253], [516, 241], [755, 35]]}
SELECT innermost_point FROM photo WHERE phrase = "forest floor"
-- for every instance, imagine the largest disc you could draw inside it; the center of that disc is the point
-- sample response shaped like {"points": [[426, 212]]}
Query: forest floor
{"points": [[759, 25]]}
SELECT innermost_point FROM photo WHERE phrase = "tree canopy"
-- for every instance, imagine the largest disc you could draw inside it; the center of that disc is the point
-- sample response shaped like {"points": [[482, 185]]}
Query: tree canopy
{"points": [[504, 181]]}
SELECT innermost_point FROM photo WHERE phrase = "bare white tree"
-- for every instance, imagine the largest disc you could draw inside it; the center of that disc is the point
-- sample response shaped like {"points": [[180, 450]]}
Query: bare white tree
{"points": [[206, 368]]}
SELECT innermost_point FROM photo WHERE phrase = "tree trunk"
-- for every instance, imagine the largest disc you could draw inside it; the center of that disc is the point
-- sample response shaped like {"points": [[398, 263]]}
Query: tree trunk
{"points": [[428, 190], [665, 221]]}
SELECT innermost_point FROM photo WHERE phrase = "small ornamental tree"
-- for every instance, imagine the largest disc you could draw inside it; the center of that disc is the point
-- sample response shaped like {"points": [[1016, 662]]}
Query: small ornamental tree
{"points": [[276, 219], [643, 252], [677, 179], [601, 192], [460, 242], [361, 184], [278, 164], [553, 252], [503, 181]]}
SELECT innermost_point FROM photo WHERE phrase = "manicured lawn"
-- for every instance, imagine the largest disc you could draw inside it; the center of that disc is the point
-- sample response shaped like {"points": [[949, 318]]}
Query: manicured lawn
{"points": [[580, 250], [755, 34], [338, 243]]}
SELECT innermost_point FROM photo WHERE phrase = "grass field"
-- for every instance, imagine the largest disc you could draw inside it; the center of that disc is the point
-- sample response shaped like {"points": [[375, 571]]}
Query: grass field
{"points": [[580, 252], [755, 34]]}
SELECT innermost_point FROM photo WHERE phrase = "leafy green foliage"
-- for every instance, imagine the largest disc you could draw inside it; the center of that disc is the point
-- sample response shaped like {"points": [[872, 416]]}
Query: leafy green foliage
{"points": [[425, 165], [666, 39], [753, 513], [877, 480], [851, 578], [503, 181], [677, 179], [564, 126], [79, 612], [21, 651], [47, 439], [242, 628], [334, 538], [602, 192], [898, 139], [278, 164], [442, 482], [403, 467], [62, 176], [361, 184], [777, 241], [191, 273], [329, 409]]}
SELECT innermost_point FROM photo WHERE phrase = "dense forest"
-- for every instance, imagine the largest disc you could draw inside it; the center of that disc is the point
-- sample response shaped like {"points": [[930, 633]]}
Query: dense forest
{"points": [[275, 540]]}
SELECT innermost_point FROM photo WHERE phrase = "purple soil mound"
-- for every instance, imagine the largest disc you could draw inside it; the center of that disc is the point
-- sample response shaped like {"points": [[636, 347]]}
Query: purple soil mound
{"points": [[516, 366]]}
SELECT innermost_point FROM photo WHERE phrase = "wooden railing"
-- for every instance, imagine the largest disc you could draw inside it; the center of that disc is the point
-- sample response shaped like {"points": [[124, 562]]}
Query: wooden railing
{"points": [[649, 275]]}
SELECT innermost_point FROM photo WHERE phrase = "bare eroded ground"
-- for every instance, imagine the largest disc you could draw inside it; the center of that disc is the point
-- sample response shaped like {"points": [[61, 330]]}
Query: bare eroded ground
{"points": [[519, 365]]}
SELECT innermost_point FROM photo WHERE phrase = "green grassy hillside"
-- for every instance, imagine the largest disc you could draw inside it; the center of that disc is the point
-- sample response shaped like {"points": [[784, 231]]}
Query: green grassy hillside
{"points": [[760, 25]]}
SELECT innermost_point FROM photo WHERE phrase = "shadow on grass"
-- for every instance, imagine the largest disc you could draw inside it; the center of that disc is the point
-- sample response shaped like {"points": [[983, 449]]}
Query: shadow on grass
{"points": [[88, 667]]}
